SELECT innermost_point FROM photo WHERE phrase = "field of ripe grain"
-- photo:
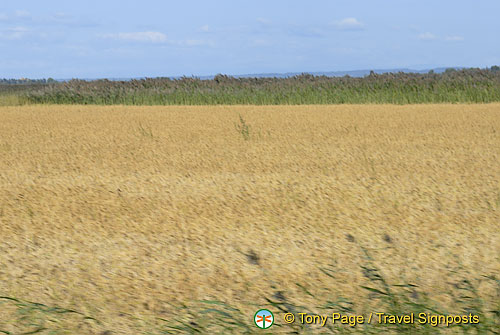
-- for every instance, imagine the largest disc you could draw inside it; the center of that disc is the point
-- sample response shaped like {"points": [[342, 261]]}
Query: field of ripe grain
{"points": [[126, 213]]}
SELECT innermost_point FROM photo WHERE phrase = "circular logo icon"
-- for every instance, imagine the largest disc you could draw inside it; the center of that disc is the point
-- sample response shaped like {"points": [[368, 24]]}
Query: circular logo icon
{"points": [[263, 319]]}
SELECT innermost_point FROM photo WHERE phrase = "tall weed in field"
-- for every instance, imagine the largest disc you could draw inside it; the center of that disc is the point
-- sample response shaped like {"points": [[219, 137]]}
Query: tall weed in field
{"points": [[243, 128], [23, 317]]}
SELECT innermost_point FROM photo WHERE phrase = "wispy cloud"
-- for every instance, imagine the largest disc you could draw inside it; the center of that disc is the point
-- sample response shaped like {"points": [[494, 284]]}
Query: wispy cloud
{"points": [[427, 36], [307, 32], [260, 42], [156, 37], [454, 38], [349, 23], [142, 36], [63, 19], [60, 17], [197, 43], [23, 14], [42, 21], [263, 20], [205, 28], [14, 33]]}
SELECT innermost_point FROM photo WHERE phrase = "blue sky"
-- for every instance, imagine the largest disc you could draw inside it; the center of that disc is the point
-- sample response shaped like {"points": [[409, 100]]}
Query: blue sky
{"points": [[108, 38]]}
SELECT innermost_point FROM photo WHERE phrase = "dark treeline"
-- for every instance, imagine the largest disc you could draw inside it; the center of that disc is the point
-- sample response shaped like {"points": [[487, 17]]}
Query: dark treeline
{"points": [[453, 86]]}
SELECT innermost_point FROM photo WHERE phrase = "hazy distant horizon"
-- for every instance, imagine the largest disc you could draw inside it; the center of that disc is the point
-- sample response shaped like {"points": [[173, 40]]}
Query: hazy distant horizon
{"points": [[352, 73]]}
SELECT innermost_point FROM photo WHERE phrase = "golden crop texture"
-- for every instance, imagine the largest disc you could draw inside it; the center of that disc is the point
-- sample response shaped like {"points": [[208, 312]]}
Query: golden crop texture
{"points": [[124, 212]]}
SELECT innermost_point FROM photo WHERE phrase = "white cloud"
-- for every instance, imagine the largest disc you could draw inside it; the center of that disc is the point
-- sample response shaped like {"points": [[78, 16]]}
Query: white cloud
{"points": [[454, 38], [349, 23], [143, 36], [3, 17], [205, 28], [427, 36]]}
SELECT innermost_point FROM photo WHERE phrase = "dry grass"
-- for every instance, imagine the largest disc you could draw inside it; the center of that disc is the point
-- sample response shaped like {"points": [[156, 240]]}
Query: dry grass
{"points": [[123, 213]]}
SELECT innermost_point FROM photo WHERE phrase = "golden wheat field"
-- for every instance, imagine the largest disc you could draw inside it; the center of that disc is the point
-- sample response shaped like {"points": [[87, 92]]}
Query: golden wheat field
{"points": [[126, 213]]}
